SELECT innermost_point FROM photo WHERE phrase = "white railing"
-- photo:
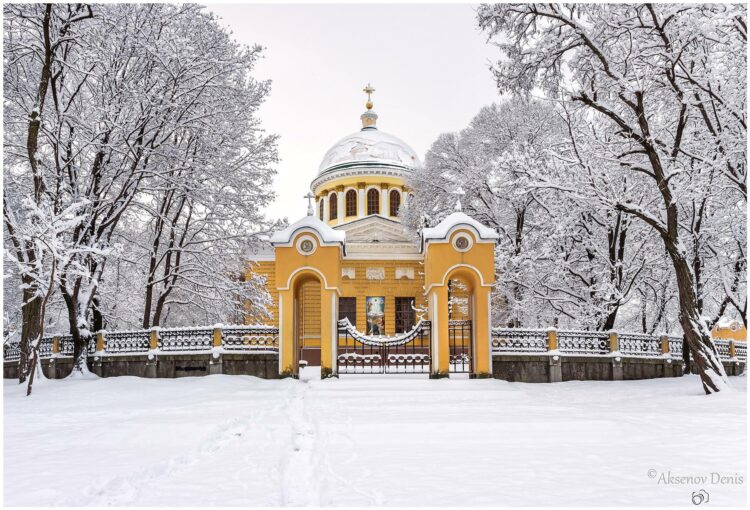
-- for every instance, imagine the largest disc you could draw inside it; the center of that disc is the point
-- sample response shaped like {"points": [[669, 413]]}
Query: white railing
{"points": [[234, 338], [599, 343]]}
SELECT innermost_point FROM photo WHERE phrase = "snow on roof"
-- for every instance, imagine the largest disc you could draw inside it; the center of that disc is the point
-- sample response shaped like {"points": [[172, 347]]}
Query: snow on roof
{"points": [[326, 233], [440, 231], [370, 145]]}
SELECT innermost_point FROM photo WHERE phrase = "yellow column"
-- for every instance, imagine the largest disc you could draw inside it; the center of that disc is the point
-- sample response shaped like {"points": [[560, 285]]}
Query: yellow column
{"points": [[217, 337], [328, 316], [732, 349], [482, 332], [614, 342], [55, 344], [664, 341], [154, 338], [99, 341], [438, 303], [551, 339], [287, 355]]}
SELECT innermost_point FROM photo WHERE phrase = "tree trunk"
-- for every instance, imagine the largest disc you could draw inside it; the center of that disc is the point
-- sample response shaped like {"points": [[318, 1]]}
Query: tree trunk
{"points": [[686, 356], [31, 329], [705, 357]]}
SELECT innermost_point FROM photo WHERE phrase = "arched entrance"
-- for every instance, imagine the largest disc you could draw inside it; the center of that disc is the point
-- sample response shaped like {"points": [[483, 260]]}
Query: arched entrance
{"points": [[459, 274], [460, 323], [307, 320]]}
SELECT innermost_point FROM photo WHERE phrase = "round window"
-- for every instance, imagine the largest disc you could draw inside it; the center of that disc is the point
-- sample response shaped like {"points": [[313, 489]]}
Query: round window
{"points": [[461, 242], [306, 246]]}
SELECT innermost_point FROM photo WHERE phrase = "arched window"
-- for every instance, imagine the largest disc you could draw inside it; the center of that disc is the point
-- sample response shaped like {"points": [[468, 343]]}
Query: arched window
{"points": [[333, 207], [394, 202], [320, 208], [351, 203], [373, 201]]}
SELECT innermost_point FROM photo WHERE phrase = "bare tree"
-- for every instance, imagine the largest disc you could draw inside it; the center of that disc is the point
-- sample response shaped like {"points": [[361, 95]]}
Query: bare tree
{"points": [[655, 86]]}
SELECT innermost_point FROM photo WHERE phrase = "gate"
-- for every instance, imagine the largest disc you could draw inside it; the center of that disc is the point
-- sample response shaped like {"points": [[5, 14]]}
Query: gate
{"points": [[460, 343], [407, 353]]}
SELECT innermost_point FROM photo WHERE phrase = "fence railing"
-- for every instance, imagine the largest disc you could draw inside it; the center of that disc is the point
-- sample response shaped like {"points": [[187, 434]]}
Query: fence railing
{"points": [[255, 338], [251, 338], [600, 343]]}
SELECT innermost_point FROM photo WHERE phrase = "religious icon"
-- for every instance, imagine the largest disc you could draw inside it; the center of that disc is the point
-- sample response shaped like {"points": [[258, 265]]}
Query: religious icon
{"points": [[375, 315]]}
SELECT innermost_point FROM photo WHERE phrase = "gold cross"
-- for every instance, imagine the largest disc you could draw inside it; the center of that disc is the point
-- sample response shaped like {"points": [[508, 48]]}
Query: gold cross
{"points": [[368, 90], [309, 197]]}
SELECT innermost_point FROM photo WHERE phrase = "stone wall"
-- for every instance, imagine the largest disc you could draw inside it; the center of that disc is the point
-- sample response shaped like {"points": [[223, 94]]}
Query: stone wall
{"points": [[264, 365], [547, 368]]}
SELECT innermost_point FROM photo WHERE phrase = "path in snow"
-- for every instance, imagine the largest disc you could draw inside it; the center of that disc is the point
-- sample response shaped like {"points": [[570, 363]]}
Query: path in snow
{"points": [[369, 440]]}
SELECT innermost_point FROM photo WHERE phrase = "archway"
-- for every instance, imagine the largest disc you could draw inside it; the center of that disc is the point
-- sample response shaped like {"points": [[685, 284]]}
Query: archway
{"points": [[307, 320], [460, 323], [463, 294]]}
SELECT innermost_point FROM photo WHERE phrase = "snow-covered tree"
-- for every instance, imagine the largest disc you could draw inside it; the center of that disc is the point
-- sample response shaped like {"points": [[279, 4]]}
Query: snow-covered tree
{"points": [[656, 95], [559, 260], [136, 99]]}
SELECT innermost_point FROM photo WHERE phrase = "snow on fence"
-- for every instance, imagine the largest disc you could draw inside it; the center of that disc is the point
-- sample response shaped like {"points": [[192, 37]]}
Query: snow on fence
{"points": [[598, 343], [266, 338], [519, 340], [202, 339], [583, 342]]}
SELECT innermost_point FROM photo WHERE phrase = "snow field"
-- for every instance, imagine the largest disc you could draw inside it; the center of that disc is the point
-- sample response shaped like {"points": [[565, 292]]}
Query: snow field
{"points": [[369, 440]]}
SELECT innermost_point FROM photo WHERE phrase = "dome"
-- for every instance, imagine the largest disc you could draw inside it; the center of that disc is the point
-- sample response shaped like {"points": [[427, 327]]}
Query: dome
{"points": [[369, 146]]}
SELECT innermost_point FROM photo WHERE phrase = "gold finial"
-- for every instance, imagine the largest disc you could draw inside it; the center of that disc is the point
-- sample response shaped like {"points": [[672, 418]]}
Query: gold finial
{"points": [[368, 90]]}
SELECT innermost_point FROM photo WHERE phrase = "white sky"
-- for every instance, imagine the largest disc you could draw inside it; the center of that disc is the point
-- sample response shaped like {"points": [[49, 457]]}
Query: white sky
{"points": [[428, 64]]}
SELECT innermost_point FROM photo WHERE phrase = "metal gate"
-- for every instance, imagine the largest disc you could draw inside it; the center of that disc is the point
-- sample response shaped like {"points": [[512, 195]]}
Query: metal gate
{"points": [[407, 353], [460, 344]]}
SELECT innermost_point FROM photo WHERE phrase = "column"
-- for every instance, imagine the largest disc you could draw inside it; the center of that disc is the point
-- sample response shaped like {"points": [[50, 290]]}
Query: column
{"points": [[438, 305], [481, 337], [384, 199], [287, 355], [361, 200], [328, 332], [340, 200]]}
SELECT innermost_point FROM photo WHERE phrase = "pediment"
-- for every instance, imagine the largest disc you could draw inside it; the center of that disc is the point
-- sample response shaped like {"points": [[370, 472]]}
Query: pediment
{"points": [[376, 229]]}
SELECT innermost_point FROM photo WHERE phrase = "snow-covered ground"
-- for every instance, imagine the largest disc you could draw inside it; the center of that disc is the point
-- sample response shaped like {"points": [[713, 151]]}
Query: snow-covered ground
{"points": [[370, 440]]}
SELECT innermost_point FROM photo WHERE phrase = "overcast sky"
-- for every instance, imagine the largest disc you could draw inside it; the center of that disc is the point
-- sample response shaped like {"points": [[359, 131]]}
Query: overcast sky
{"points": [[428, 64]]}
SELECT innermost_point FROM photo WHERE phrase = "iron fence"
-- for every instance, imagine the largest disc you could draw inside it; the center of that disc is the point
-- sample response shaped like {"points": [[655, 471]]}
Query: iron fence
{"points": [[407, 353], [460, 346], [127, 341], [519, 340], [583, 342], [250, 338], [637, 344], [185, 339]]}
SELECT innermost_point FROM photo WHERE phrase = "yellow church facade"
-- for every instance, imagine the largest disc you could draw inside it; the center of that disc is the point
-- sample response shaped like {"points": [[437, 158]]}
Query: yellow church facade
{"points": [[357, 292]]}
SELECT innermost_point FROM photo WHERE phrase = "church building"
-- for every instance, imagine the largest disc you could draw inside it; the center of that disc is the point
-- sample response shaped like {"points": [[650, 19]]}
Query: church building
{"points": [[351, 258]]}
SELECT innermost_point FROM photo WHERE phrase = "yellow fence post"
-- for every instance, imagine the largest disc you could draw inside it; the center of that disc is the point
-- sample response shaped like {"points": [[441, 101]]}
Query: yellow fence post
{"points": [[217, 335], [154, 338], [55, 344], [100, 341], [216, 361], [551, 339], [732, 349], [664, 344], [555, 363], [614, 341]]}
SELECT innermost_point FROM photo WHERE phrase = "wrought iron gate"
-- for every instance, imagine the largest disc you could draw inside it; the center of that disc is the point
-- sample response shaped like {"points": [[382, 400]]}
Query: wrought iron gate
{"points": [[460, 344], [407, 353]]}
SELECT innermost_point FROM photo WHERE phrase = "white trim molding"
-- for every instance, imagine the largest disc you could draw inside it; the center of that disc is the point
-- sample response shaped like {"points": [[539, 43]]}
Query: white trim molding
{"points": [[456, 266]]}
